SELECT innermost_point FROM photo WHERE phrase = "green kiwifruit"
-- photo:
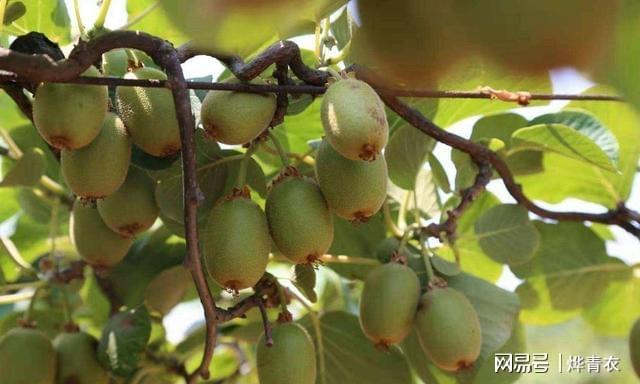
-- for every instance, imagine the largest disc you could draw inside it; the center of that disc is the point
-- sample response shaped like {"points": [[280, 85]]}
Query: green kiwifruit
{"points": [[634, 347], [354, 120], [27, 357], [94, 241], [535, 36], [149, 114], [300, 222], [449, 329], [388, 303], [132, 208], [236, 243], [77, 361], [167, 289], [236, 117], [408, 43], [100, 168], [70, 116], [355, 190], [291, 359]]}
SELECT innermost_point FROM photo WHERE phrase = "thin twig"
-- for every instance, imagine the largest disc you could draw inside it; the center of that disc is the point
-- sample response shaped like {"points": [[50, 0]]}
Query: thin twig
{"points": [[268, 338]]}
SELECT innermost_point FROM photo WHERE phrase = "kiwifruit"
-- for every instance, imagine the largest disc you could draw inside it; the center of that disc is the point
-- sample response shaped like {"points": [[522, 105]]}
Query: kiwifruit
{"points": [[27, 357], [291, 359], [236, 243], [355, 190], [535, 36], [634, 347], [408, 43], [449, 329], [149, 114], [354, 120], [132, 208], [167, 289], [236, 117], [70, 116], [100, 168], [300, 222], [388, 303], [94, 241], [77, 362]]}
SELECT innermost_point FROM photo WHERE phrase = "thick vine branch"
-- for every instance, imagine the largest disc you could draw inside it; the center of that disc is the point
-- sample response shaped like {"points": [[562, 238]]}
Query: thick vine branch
{"points": [[620, 216]]}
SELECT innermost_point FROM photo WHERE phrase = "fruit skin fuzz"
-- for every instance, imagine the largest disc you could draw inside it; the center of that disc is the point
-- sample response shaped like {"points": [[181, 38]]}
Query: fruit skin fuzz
{"points": [[388, 303], [291, 359], [236, 243], [299, 218], [354, 189], [354, 120], [449, 329], [27, 356]]}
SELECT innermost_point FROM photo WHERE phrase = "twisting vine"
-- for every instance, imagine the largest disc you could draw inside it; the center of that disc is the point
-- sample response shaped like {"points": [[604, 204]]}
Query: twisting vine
{"points": [[22, 68]]}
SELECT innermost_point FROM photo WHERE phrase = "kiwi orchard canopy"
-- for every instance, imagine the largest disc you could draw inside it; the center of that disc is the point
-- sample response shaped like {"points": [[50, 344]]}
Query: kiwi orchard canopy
{"points": [[301, 196]]}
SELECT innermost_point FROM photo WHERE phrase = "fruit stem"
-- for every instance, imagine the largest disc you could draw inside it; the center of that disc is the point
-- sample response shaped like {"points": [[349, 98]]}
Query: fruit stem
{"points": [[221, 161], [28, 314], [427, 259], [53, 229], [18, 286], [66, 307], [340, 56], [13, 253], [244, 163], [388, 220], [102, 14], [133, 59], [334, 73], [402, 213], [281, 151], [14, 151], [76, 11]]}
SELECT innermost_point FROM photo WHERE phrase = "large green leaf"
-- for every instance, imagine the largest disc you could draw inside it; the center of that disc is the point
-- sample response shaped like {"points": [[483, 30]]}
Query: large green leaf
{"points": [[506, 234], [147, 16], [565, 141], [27, 170], [49, 17], [358, 242], [619, 307], [486, 371], [349, 357], [571, 270], [123, 340], [565, 177], [587, 124], [406, 153]]}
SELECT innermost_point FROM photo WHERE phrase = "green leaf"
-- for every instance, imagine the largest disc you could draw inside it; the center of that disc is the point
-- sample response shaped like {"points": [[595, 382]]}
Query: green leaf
{"points": [[466, 169], [48, 17], [305, 281], [438, 173], [486, 372], [444, 267], [27, 170], [565, 177], [153, 20], [571, 270], [96, 306], [341, 28], [406, 154], [564, 141], [587, 124], [349, 357], [619, 298], [421, 363], [14, 11], [123, 340], [357, 241], [506, 234]]}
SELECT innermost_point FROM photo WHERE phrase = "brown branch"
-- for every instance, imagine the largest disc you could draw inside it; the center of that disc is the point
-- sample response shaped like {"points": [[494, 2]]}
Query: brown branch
{"points": [[268, 338], [621, 215], [468, 196], [282, 75]]}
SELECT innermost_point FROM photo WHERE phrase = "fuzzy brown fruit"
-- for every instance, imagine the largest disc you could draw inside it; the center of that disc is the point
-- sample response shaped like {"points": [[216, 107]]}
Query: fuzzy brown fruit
{"points": [[236, 243], [100, 168], [354, 190], [70, 116], [291, 359], [236, 117], [26, 357], [95, 242], [300, 222], [449, 329], [132, 208], [77, 362], [354, 120], [149, 114]]}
